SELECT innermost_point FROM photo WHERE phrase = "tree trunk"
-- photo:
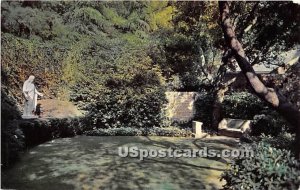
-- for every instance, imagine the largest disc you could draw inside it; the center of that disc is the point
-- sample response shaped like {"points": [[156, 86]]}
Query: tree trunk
{"points": [[219, 94], [269, 95]]}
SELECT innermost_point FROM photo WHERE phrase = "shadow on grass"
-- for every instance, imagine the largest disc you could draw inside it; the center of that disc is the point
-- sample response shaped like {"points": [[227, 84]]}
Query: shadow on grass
{"points": [[93, 162]]}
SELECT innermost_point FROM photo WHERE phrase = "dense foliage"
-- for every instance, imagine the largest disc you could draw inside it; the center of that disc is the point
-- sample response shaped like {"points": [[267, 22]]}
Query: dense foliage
{"points": [[132, 95], [242, 105], [11, 136], [115, 60], [263, 41], [270, 124], [238, 105], [269, 168], [96, 54]]}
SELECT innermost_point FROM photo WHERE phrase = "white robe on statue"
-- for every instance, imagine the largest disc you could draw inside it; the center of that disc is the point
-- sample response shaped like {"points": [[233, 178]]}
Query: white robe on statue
{"points": [[30, 94]]}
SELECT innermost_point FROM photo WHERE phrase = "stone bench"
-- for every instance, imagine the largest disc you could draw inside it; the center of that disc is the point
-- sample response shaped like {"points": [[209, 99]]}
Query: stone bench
{"points": [[233, 127]]}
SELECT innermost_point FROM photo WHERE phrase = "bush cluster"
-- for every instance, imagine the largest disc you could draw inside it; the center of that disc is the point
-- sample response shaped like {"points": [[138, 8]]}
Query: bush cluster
{"points": [[130, 93], [242, 105], [12, 142], [270, 123], [115, 109], [12, 138], [282, 141], [269, 168]]}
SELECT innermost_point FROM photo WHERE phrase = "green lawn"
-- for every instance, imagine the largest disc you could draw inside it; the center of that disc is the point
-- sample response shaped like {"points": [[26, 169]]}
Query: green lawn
{"points": [[93, 163]]}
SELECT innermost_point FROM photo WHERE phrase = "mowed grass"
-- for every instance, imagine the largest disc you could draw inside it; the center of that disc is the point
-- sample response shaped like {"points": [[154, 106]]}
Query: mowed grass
{"points": [[93, 163]]}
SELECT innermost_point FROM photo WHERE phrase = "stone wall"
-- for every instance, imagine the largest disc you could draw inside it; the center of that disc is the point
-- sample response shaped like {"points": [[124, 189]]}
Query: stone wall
{"points": [[181, 106]]}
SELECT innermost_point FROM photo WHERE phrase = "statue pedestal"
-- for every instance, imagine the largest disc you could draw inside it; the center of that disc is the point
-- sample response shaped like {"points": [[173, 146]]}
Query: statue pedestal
{"points": [[29, 117], [197, 129]]}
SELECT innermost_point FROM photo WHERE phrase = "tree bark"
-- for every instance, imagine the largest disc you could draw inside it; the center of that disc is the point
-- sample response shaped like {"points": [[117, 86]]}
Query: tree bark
{"points": [[269, 95], [219, 95]]}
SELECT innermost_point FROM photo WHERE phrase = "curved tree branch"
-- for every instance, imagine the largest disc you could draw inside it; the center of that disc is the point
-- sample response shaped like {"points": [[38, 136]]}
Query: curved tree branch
{"points": [[269, 95]]}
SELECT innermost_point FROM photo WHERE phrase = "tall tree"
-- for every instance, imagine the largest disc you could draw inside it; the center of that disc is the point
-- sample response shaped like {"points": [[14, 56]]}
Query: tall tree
{"points": [[269, 95]]}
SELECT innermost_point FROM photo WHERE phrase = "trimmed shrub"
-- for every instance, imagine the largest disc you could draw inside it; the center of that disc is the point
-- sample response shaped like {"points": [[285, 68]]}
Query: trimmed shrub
{"points": [[116, 109], [129, 131]]}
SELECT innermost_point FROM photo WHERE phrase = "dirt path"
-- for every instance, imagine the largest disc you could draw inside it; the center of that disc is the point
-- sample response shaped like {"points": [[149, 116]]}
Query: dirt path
{"points": [[58, 109]]}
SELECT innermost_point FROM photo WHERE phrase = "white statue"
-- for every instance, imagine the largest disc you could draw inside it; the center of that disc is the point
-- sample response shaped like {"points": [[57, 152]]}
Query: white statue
{"points": [[31, 95]]}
